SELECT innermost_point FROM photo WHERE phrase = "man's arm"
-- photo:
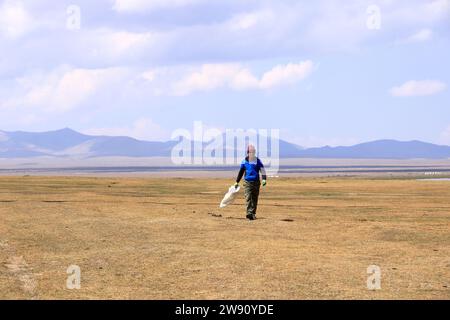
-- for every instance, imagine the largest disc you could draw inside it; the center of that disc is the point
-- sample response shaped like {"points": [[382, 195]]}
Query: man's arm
{"points": [[263, 173], [263, 170], [240, 174]]}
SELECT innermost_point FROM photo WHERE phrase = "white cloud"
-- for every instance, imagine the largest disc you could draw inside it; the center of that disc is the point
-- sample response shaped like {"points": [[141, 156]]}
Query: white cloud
{"points": [[62, 89], [148, 5], [117, 46], [283, 28], [209, 77], [286, 74], [142, 129], [248, 20], [341, 25], [237, 77], [149, 75], [14, 19], [435, 10], [415, 12], [243, 79], [420, 36], [418, 88], [67, 88], [242, 31], [122, 41]]}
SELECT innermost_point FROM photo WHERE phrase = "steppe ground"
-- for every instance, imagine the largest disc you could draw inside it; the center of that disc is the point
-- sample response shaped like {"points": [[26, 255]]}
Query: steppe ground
{"points": [[166, 238]]}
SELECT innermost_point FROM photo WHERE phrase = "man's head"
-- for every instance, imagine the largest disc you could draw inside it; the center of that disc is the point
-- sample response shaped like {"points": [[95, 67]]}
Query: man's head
{"points": [[251, 152]]}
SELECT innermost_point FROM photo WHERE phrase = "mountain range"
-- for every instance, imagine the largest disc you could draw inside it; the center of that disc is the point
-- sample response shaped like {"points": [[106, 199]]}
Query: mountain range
{"points": [[69, 143]]}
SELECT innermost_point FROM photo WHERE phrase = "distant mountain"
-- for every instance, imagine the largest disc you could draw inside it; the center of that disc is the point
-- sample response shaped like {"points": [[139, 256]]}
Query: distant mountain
{"points": [[381, 149], [69, 143]]}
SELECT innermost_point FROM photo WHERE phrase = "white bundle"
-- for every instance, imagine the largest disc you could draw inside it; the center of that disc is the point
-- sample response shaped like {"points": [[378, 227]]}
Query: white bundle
{"points": [[229, 196]]}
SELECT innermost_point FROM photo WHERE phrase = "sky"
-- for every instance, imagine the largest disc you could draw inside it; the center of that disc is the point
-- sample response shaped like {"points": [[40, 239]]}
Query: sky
{"points": [[322, 72]]}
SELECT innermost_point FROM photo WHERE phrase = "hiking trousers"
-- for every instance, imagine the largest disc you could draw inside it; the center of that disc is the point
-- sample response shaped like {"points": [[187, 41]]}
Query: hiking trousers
{"points": [[251, 193]]}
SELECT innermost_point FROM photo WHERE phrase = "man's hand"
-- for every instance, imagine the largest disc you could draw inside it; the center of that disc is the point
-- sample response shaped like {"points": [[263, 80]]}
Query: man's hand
{"points": [[236, 185], [264, 182]]}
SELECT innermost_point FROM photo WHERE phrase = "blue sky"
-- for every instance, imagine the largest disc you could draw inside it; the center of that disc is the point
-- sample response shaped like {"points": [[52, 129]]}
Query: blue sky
{"points": [[323, 72]]}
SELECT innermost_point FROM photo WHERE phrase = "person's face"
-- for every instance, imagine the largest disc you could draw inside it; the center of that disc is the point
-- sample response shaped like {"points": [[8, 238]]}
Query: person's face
{"points": [[251, 155]]}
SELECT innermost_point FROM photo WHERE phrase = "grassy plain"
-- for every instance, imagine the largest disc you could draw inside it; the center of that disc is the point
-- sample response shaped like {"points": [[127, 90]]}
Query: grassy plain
{"points": [[166, 238]]}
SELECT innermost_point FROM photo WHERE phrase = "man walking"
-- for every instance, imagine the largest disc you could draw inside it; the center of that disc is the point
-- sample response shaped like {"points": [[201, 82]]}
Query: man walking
{"points": [[251, 166]]}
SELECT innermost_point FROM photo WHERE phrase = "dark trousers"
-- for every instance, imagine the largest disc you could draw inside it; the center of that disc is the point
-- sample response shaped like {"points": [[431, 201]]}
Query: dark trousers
{"points": [[251, 192]]}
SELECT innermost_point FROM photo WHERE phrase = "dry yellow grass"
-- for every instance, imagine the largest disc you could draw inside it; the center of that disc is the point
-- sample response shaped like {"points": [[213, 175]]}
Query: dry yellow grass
{"points": [[167, 239]]}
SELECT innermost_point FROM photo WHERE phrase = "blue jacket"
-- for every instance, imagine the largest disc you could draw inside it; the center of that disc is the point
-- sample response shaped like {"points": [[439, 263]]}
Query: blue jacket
{"points": [[251, 170]]}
